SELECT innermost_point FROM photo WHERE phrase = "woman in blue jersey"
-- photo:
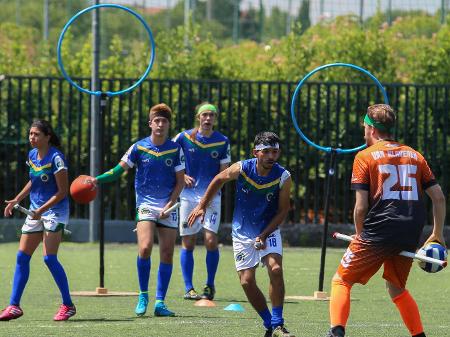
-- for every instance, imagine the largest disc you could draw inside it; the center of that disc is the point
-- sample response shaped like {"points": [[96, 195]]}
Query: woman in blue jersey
{"points": [[48, 188], [261, 205], [207, 153], [159, 180]]}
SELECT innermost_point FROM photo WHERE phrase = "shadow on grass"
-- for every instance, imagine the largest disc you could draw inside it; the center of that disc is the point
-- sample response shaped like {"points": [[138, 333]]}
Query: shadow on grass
{"points": [[100, 320], [230, 300], [211, 316], [244, 301]]}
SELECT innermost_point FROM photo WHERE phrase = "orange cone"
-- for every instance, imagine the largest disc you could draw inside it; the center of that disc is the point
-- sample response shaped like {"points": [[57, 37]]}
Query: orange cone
{"points": [[204, 303]]}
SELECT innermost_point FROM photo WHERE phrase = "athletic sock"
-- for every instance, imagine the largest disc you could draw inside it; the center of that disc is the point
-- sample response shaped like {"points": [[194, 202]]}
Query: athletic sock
{"points": [[21, 275], [143, 268], [277, 316], [409, 312], [266, 317], [59, 275], [212, 262], [339, 302], [164, 274], [187, 267]]}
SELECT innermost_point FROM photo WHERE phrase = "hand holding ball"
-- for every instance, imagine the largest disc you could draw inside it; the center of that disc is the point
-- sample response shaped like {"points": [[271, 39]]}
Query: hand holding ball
{"points": [[83, 190], [258, 244], [436, 251]]}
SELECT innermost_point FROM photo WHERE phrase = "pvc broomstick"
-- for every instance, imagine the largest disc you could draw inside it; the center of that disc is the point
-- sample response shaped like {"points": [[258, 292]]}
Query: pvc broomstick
{"points": [[31, 214], [170, 209], [402, 253]]}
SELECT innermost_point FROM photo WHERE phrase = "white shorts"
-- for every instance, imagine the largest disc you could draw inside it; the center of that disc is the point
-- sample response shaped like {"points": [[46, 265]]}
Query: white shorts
{"points": [[246, 256], [50, 221], [212, 218], [146, 212]]}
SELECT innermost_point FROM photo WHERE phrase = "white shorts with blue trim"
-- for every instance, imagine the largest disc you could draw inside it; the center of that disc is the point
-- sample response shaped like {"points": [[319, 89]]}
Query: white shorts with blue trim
{"points": [[211, 222], [146, 212], [246, 256]]}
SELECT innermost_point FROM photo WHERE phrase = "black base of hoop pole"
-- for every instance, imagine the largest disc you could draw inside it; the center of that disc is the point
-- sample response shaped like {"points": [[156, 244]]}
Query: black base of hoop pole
{"points": [[100, 291], [101, 227], [330, 174]]}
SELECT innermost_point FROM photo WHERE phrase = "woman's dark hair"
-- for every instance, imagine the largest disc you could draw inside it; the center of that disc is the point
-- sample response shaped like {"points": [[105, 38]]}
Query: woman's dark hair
{"points": [[47, 130]]}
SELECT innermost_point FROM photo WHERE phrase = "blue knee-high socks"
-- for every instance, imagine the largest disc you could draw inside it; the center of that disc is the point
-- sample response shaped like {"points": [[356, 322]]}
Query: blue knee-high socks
{"points": [[277, 316], [212, 262], [164, 274], [59, 275], [143, 267], [187, 267], [21, 275], [266, 317]]}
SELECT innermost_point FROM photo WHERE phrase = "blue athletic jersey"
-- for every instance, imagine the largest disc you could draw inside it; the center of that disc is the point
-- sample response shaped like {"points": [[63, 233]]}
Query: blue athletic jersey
{"points": [[156, 167], [204, 155], [256, 201], [43, 183]]}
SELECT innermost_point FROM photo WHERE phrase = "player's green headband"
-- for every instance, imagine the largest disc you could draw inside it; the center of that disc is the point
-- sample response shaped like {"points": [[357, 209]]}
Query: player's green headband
{"points": [[206, 107], [375, 124]]}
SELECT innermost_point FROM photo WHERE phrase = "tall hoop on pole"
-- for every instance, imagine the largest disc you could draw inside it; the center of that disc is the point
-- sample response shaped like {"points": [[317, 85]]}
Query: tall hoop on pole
{"points": [[108, 93], [331, 152], [101, 98]]}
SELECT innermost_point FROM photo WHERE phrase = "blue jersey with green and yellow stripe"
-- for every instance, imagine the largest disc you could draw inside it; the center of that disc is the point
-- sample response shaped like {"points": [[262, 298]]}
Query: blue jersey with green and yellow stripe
{"points": [[204, 155], [42, 176], [156, 167], [256, 201]]}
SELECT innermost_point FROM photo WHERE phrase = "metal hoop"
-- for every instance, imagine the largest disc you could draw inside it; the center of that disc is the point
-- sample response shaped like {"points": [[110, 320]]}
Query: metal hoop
{"points": [[108, 93], [297, 91]]}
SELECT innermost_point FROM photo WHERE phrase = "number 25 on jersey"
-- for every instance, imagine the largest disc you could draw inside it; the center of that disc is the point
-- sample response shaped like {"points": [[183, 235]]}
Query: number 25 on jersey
{"points": [[403, 176]]}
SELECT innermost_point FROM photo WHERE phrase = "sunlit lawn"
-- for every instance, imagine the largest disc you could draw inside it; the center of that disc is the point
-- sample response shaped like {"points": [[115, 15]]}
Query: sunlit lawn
{"points": [[373, 314]]}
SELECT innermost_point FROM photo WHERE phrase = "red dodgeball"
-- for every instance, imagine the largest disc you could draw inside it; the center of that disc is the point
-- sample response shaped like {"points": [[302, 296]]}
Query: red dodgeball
{"points": [[83, 191]]}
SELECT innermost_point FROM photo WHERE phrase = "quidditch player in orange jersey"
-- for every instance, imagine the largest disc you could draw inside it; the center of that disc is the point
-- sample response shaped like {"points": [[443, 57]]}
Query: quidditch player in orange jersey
{"points": [[389, 179]]}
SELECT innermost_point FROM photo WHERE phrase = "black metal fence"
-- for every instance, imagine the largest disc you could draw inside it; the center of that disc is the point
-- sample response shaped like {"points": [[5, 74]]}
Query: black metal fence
{"points": [[329, 113]]}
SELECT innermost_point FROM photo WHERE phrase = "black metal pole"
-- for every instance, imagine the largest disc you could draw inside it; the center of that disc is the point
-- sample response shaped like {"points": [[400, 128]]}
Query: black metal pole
{"points": [[94, 206], [101, 227], [330, 175]]}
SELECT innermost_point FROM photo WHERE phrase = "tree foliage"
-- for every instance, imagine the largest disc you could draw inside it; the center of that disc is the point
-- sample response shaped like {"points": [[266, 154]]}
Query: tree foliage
{"points": [[413, 49]]}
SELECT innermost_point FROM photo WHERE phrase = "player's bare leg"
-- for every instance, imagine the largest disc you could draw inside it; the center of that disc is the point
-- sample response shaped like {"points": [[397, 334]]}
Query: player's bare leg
{"points": [[256, 297], [274, 263]]}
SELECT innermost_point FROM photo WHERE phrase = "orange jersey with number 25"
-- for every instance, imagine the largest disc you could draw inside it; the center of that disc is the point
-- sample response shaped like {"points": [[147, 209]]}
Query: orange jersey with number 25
{"points": [[395, 176]]}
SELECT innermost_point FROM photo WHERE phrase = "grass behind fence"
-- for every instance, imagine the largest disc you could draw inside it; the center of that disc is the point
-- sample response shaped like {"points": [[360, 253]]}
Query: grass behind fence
{"points": [[372, 314]]}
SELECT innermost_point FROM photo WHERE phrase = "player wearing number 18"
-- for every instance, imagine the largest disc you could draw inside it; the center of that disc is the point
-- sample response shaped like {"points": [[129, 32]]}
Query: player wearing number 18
{"points": [[261, 204], [389, 179]]}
